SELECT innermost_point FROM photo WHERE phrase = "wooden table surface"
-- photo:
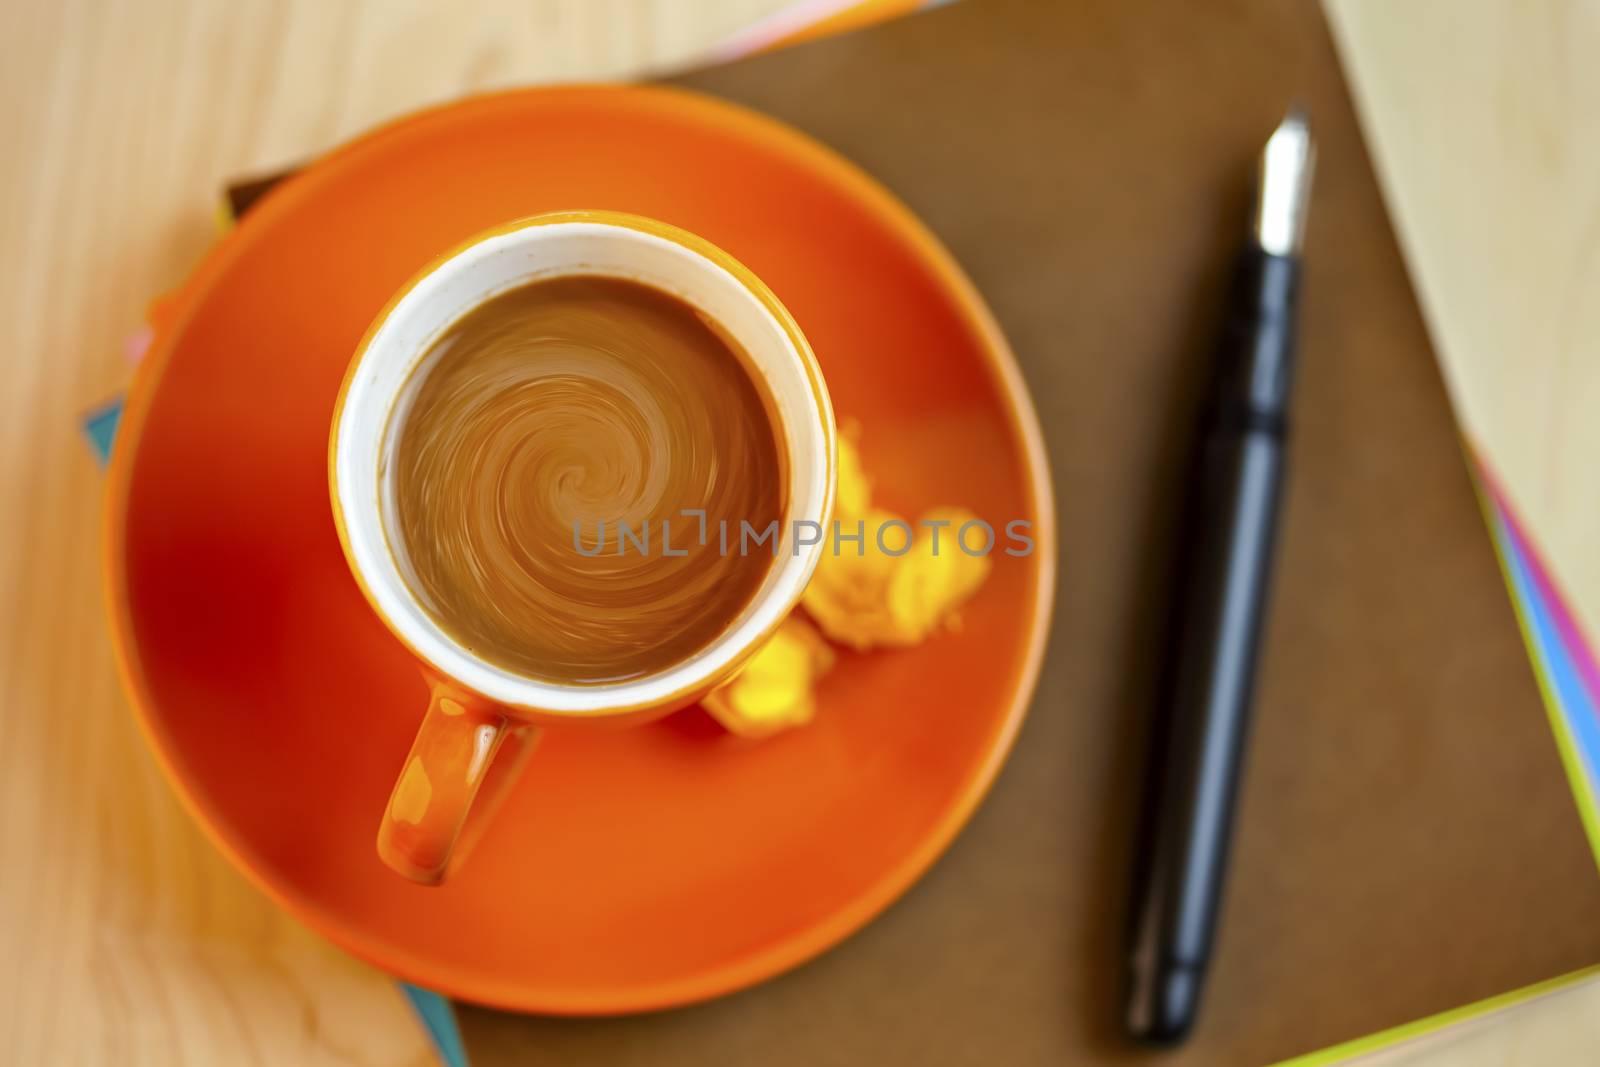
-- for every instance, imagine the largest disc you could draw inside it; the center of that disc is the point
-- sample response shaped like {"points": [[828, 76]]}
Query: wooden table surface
{"points": [[127, 938]]}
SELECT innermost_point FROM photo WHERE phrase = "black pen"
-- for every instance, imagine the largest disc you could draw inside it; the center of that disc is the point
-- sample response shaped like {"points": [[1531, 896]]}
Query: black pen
{"points": [[1219, 606]]}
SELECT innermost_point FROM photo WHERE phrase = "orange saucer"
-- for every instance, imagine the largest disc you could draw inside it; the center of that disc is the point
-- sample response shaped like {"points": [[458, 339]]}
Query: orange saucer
{"points": [[630, 870]]}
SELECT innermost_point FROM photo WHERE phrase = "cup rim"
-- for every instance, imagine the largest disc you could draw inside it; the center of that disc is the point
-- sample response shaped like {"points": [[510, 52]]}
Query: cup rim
{"points": [[540, 698]]}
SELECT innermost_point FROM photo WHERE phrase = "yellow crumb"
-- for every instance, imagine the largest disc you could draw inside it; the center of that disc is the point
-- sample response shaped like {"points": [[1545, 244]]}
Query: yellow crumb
{"points": [[854, 494], [775, 689], [864, 597], [927, 588], [860, 596], [849, 591]]}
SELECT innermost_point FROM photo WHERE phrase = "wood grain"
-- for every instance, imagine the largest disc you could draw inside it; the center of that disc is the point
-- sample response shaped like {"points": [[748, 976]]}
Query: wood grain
{"points": [[127, 938], [1558, 1027], [1483, 119]]}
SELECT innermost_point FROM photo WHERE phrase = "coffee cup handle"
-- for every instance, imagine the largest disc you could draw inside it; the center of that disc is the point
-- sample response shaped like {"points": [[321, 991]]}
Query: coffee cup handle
{"points": [[463, 743]]}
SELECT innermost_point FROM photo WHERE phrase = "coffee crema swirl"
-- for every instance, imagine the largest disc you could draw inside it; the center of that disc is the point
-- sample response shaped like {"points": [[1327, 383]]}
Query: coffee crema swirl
{"points": [[583, 403]]}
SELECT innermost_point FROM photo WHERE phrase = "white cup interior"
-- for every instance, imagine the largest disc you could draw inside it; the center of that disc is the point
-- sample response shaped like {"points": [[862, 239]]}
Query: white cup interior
{"points": [[380, 382]]}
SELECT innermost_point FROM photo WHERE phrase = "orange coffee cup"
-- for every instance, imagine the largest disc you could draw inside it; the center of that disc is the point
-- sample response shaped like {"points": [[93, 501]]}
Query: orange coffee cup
{"points": [[481, 713]]}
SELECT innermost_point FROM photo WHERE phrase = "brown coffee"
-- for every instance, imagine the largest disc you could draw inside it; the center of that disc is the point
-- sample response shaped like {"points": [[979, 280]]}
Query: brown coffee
{"points": [[543, 425]]}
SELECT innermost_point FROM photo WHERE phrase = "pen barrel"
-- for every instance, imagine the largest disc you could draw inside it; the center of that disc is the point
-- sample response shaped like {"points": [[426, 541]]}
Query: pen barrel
{"points": [[1229, 537], [1255, 359]]}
